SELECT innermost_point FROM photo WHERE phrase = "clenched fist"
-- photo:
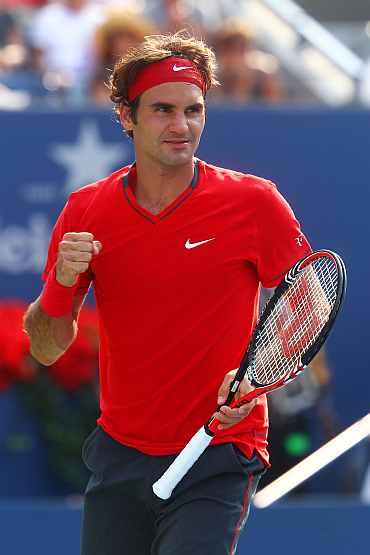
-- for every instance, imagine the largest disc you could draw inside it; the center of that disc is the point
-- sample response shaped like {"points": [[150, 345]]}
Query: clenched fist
{"points": [[75, 253]]}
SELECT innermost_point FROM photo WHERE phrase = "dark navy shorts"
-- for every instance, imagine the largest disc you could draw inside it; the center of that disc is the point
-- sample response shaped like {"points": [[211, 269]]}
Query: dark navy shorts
{"points": [[204, 515]]}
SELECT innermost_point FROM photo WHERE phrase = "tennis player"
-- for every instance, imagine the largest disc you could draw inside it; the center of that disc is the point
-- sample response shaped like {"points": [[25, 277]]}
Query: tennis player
{"points": [[176, 250]]}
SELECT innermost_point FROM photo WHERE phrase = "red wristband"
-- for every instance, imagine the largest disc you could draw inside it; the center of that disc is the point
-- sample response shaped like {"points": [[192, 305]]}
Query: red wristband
{"points": [[56, 299]]}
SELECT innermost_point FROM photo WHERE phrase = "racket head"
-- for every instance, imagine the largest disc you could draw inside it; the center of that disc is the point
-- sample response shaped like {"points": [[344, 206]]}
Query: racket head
{"points": [[296, 321]]}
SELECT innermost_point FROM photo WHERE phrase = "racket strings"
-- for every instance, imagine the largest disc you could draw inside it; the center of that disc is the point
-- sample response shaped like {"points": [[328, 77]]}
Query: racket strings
{"points": [[295, 322]]}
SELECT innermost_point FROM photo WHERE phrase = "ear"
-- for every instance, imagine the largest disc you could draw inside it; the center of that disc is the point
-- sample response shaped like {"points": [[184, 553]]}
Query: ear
{"points": [[125, 117]]}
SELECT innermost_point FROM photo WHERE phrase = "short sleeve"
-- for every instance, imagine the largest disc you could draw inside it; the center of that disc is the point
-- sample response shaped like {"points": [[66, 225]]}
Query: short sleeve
{"points": [[279, 242], [65, 224]]}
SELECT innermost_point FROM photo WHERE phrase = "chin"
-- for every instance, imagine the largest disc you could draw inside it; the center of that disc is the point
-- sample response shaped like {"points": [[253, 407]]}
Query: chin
{"points": [[178, 159]]}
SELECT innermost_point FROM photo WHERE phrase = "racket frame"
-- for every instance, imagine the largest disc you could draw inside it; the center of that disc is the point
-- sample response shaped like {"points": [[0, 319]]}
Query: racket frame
{"points": [[247, 361]]}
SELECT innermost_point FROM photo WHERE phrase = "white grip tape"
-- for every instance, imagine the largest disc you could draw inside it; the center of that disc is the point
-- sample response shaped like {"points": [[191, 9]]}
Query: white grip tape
{"points": [[183, 462]]}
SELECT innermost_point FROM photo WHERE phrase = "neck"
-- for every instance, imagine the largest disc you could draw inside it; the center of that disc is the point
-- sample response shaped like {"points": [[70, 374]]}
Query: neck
{"points": [[157, 186]]}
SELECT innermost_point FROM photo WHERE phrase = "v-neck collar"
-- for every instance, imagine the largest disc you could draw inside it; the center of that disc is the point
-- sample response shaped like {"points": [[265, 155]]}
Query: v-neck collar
{"points": [[128, 180]]}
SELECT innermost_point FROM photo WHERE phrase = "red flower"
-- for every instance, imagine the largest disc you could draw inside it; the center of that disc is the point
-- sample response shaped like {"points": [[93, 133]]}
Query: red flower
{"points": [[14, 345]]}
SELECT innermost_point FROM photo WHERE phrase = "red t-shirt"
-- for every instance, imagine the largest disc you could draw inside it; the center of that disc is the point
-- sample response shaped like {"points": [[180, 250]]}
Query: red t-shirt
{"points": [[177, 297]]}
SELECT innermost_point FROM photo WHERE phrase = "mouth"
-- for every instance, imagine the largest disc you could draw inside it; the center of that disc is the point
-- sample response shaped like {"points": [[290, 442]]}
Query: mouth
{"points": [[177, 144], [177, 141]]}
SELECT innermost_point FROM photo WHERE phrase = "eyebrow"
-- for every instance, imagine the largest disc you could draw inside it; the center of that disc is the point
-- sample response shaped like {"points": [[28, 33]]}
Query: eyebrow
{"points": [[197, 105]]}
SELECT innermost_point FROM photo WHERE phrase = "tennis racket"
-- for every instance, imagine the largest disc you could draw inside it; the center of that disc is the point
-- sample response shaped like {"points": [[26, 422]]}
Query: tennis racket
{"points": [[292, 328]]}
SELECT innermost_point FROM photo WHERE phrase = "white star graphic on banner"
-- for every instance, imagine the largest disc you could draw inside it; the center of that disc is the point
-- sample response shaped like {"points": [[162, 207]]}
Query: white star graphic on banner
{"points": [[90, 158]]}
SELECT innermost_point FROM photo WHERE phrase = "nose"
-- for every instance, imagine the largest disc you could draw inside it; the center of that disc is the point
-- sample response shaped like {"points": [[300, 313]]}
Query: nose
{"points": [[179, 124]]}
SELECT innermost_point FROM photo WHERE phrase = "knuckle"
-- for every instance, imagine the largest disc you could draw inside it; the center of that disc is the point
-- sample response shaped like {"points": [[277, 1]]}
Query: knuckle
{"points": [[86, 236], [88, 245], [87, 257], [63, 244], [82, 256], [78, 236], [83, 245]]}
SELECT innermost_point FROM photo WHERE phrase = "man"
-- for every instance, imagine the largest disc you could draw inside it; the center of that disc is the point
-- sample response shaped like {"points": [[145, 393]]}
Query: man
{"points": [[176, 250], [65, 57]]}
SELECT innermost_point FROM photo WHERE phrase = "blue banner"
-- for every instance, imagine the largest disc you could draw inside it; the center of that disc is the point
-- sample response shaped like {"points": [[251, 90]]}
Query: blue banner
{"points": [[319, 160]]}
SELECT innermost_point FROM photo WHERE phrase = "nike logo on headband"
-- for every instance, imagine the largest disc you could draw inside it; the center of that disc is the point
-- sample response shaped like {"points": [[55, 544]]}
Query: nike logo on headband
{"points": [[179, 68]]}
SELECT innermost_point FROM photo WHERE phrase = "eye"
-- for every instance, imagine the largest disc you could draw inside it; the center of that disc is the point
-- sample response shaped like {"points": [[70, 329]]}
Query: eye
{"points": [[194, 110], [162, 109]]}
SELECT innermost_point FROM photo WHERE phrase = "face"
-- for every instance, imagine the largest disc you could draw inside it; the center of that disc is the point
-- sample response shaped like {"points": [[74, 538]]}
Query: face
{"points": [[170, 122]]}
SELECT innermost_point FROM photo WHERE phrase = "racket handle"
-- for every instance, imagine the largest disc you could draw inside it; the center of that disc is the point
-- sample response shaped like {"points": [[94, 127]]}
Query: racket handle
{"points": [[182, 463]]}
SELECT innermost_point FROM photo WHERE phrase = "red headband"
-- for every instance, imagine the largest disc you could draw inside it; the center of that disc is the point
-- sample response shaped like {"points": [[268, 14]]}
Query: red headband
{"points": [[168, 70]]}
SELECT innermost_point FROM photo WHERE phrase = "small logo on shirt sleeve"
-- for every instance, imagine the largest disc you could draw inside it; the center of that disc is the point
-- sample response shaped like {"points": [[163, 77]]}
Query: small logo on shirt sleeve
{"points": [[299, 240]]}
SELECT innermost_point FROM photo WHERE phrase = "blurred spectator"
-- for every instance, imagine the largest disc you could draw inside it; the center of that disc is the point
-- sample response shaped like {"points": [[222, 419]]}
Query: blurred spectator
{"points": [[174, 15], [246, 74], [21, 74], [60, 36], [132, 5], [120, 30], [7, 26], [198, 16], [11, 38]]}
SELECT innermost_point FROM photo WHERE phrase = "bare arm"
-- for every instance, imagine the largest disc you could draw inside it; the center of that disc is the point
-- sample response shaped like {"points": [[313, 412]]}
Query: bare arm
{"points": [[50, 337]]}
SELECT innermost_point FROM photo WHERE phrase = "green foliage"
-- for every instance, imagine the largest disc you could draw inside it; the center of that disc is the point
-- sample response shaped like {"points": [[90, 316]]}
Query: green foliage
{"points": [[65, 419]]}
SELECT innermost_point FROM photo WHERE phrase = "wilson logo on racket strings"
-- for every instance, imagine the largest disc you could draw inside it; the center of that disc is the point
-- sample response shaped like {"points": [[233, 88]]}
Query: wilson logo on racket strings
{"points": [[294, 326]]}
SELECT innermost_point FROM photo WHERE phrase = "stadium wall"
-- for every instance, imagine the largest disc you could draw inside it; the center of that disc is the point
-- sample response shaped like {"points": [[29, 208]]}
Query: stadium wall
{"points": [[49, 527]]}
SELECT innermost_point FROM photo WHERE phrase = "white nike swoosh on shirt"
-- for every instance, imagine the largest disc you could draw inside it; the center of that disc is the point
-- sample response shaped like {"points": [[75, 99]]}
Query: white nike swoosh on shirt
{"points": [[189, 245], [179, 68]]}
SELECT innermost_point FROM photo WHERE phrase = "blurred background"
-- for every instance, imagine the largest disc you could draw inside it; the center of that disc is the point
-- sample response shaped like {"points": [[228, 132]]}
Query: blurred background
{"points": [[293, 106]]}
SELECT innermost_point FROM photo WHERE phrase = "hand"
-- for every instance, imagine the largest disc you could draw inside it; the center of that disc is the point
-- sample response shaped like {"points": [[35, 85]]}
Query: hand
{"points": [[227, 416], [75, 253]]}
